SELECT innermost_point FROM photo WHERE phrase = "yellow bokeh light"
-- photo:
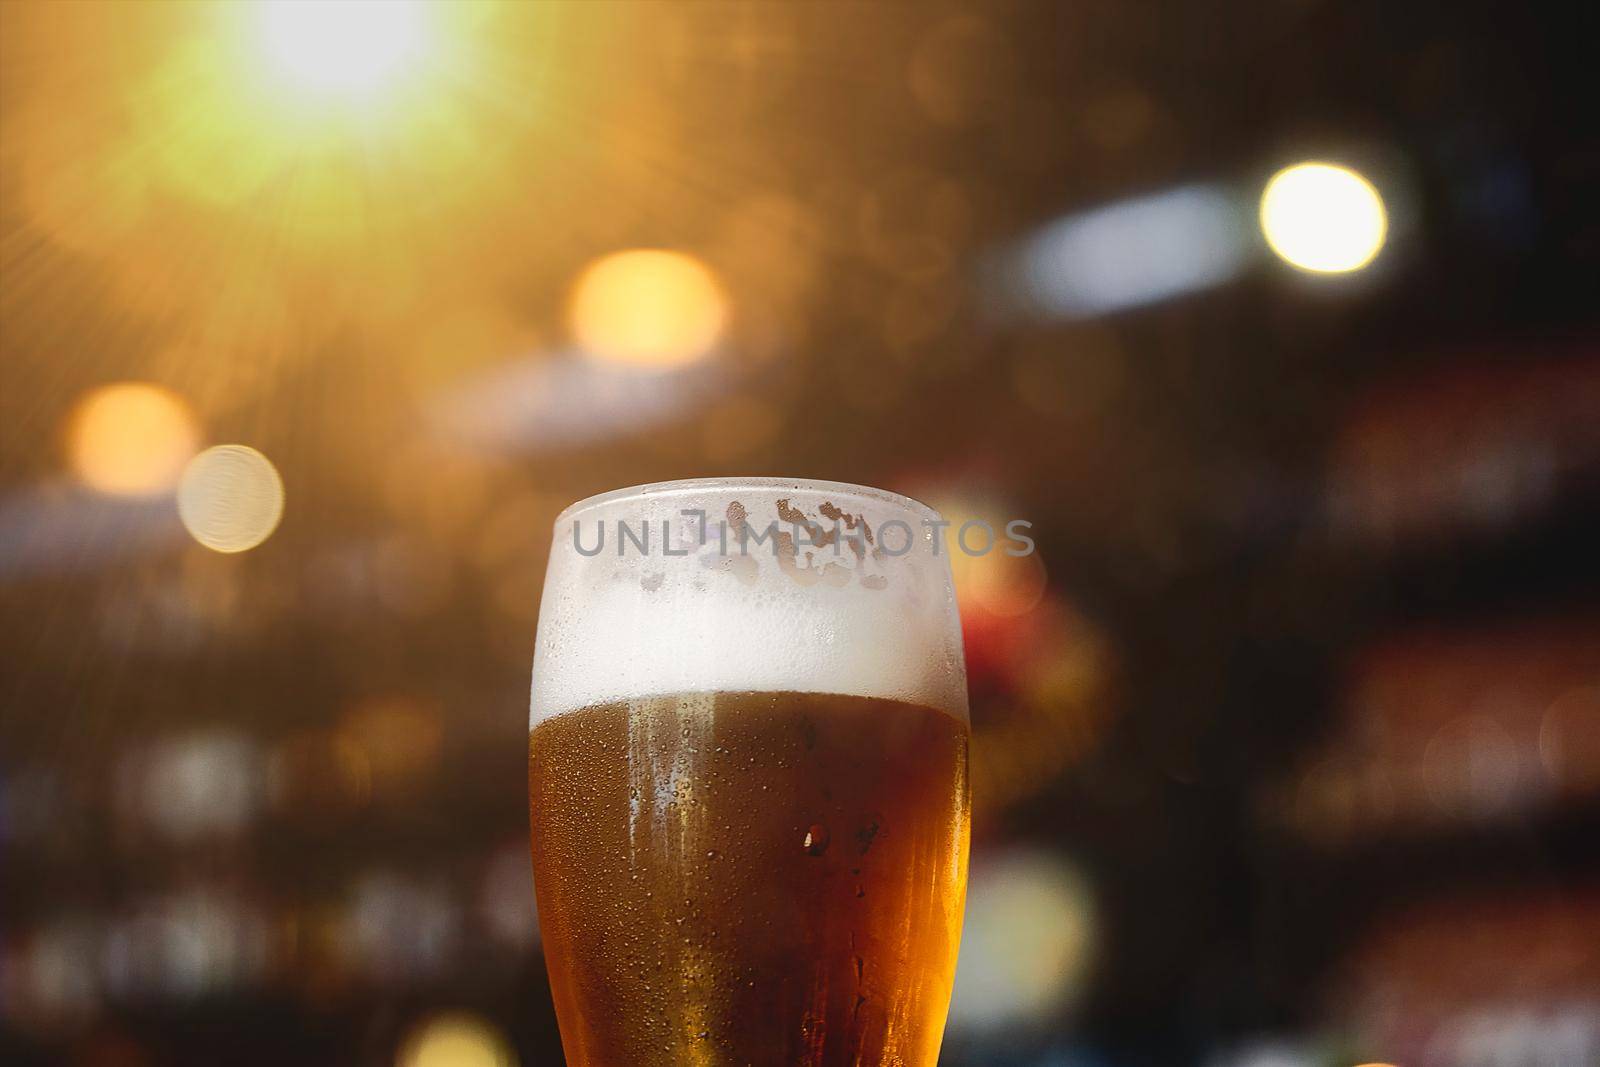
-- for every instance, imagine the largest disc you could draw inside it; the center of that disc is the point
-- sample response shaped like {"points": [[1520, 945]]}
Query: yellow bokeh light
{"points": [[1323, 218], [987, 577], [346, 48], [1006, 586], [230, 498], [648, 308], [131, 439], [456, 1041]]}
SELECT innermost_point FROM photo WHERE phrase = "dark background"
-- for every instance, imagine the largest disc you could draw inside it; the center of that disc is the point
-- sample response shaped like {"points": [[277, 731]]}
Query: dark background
{"points": [[1286, 748]]}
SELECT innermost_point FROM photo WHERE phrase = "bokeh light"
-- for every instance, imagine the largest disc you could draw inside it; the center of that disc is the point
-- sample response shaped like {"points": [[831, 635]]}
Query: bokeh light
{"points": [[230, 498], [398, 929], [1128, 253], [506, 901], [131, 439], [201, 785], [399, 738], [1026, 942], [989, 580], [648, 308], [341, 47], [1323, 218], [1569, 740], [456, 1040], [1003, 585]]}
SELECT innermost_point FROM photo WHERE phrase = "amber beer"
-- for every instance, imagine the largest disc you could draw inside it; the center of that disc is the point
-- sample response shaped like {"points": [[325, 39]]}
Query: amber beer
{"points": [[737, 878], [747, 780]]}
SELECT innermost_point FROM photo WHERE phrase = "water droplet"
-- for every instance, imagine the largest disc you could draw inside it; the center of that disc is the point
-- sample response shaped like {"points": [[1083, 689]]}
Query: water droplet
{"points": [[817, 838]]}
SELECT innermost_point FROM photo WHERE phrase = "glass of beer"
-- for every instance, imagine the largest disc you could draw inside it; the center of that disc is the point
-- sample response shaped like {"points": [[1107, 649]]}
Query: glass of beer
{"points": [[747, 776]]}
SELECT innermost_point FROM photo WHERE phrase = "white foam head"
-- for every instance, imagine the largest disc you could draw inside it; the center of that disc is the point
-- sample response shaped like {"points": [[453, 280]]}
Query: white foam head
{"points": [[751, 584]]}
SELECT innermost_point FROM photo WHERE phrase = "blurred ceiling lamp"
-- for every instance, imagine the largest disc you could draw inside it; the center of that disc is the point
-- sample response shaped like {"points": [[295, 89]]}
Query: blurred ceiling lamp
{"points": [[1128, 254], [341, 48], [1323, 218], [456, 1040], [230, 498], [131, 439], [648, 308], [1026, 943]]}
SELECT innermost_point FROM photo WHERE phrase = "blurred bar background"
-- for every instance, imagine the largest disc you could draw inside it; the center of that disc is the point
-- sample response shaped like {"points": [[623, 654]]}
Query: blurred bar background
{"points": [[1275, 318]]}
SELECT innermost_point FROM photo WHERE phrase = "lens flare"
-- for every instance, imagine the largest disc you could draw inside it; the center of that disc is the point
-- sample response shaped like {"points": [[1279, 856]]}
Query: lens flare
{"points": [[230, 498], [131, 439], [341, 47], [648, 308], [1323, 218]]}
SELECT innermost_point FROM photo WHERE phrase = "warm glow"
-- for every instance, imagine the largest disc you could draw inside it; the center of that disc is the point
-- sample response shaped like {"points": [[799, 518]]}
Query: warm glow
{"points": [[230, 498], [1004, 585], [988, 579], [342, 47], [456, 1041], [131, 439], [648, 308], [252, 200], [1026, 945], [1323, 218]]}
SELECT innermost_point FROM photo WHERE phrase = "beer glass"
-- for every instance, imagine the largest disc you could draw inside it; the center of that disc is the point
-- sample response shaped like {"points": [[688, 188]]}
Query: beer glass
{"points": [[747, 776]]}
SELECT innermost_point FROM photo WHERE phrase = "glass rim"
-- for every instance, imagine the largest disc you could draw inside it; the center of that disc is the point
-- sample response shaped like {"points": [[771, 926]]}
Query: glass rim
{"points": [[689, 486]]}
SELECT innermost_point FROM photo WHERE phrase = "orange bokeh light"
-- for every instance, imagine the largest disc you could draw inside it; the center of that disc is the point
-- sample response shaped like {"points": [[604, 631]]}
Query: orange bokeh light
{"points": [[131, 439], [648, 308]]}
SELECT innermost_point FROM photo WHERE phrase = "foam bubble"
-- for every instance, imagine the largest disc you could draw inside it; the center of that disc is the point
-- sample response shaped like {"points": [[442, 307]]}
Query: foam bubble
{"points": [[819, 612]]}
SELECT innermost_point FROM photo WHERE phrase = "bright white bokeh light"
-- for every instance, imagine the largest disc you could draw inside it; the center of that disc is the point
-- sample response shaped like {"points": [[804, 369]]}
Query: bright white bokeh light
{"points": [[1323, 218], [342, 47], [230, 498]]}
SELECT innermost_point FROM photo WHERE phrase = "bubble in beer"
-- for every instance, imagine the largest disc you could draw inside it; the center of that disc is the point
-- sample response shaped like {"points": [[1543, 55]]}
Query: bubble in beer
{"points": [[817, 838]]}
